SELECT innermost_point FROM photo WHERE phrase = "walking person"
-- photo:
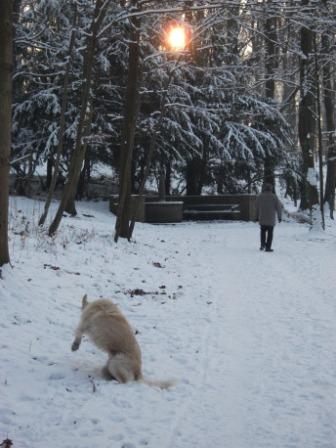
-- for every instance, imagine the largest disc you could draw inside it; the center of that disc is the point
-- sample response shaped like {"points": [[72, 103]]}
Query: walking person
{"points": [[268, 207]]}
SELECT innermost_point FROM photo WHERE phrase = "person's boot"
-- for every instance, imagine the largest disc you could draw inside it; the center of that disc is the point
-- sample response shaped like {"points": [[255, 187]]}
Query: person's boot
{"points": [[268, 249]]}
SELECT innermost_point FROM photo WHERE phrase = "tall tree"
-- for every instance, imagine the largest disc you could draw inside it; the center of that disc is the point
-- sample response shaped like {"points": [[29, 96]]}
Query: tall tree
{"points": [[271, 62], [327, 44], [309, 194], [319, 131], [59, 150], [6, 62], [122, 228], [78, 154]]}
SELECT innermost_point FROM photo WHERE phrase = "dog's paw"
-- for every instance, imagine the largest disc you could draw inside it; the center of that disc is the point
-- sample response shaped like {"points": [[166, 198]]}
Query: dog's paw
{"points": [[75, 346], [106, 374]]}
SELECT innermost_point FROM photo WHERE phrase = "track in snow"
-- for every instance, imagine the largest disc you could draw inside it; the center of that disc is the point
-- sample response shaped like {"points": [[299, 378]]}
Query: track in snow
{"points": [[268, 376]]}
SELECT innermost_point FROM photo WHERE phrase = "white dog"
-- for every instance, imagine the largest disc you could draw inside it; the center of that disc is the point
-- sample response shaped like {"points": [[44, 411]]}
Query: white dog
{"points": [[109, 330]]}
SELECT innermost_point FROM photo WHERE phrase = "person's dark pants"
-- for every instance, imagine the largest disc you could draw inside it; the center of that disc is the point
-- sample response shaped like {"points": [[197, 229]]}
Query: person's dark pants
{"points": [[266, 236]]}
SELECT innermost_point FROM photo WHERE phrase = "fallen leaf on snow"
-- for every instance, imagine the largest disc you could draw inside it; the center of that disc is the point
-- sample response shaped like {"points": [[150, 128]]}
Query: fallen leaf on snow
{"points": [[157, 264]]}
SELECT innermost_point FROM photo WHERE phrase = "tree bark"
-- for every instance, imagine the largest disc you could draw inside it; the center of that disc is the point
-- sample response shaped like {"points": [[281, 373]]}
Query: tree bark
{"points": [[79, 150], [329, 102], [122, 227], [6, 63], [270, 67], [168, 178], [71, 204], [319, 128], [50, 164], [153, 144], [195, 176], [84, 177], [309, 195]]}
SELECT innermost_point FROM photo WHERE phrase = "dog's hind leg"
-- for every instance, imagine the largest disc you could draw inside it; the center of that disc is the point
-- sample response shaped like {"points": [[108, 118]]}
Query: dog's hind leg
{"points": [[107, 374], [120, 369]]}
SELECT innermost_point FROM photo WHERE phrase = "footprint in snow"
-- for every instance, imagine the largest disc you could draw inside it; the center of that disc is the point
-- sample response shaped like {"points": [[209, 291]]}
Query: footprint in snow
{"points": [[56, 376]]}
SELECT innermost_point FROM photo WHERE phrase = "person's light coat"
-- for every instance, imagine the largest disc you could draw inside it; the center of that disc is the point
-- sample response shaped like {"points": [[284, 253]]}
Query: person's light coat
{"points": [[268, 207]]}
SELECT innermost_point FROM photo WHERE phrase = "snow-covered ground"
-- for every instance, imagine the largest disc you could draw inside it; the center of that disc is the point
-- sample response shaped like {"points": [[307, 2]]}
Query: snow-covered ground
{"points": [[249, 336]]}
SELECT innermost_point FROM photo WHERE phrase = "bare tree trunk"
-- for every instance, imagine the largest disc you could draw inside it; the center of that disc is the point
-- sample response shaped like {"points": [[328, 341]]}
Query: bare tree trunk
{"points": [[319, 126], [71, 205], [329, 103], [168, 178], [309, 196], [270, 67], [59, 150], [6, 63], [79, 150], [152, 144], [122, 228], [84, 176], [162, 183], [50, 164], [16, 83], [196, 174]]}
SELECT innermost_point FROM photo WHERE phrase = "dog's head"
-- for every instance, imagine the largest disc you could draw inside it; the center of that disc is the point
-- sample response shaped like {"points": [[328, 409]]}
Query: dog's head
{"points": [[85, 302]]}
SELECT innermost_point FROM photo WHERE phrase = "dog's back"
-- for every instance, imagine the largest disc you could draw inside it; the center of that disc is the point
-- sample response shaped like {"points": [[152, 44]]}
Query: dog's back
{"points": [[109, 330]]}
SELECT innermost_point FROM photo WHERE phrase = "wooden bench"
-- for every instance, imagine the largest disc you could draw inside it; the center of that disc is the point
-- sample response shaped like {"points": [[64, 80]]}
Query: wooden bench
{"points": [[195, 207], [151, 210], [163, 211], [225, 206], [211, 211]]}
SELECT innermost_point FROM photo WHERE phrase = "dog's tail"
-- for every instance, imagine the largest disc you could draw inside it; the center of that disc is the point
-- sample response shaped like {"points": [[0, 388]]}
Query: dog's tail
{"points": [[161, 384]]}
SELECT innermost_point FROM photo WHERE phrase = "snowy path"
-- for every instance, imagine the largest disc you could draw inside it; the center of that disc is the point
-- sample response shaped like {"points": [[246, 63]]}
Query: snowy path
{"points": [[250, 336], [269, 373]]}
